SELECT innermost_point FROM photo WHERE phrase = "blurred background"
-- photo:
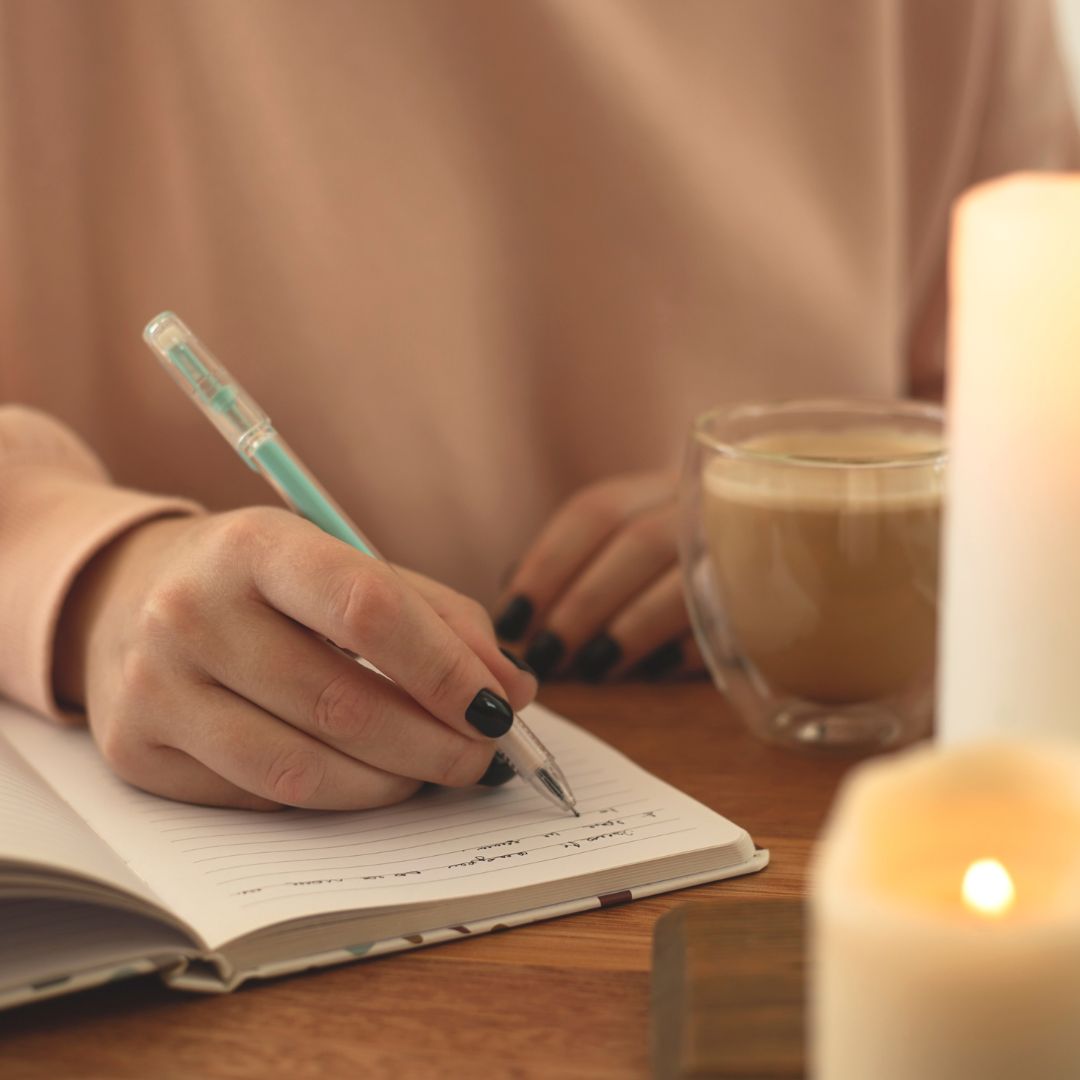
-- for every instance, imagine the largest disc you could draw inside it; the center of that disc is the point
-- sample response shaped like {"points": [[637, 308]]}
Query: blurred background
{"points": [[1069, 16]]}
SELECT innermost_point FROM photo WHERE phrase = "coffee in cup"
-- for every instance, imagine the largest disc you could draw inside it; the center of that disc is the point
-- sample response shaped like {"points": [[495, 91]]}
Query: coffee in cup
{"points": [[820, 530]]}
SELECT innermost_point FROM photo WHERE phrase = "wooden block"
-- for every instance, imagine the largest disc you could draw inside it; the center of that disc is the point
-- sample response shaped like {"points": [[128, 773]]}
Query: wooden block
{"points": [[727, 991]]}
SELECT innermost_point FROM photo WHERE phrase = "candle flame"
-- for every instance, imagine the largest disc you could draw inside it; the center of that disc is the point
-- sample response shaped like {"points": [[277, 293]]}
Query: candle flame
{"points": [[988, 888]]}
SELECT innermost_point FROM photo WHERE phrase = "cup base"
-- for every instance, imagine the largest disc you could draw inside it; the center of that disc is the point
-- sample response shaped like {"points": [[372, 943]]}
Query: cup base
{"points": [[863, 727], [816, 727]]}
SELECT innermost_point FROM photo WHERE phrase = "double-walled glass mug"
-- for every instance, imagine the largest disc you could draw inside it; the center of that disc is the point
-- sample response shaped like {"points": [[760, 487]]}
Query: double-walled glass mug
{"points": [[809, 544]]}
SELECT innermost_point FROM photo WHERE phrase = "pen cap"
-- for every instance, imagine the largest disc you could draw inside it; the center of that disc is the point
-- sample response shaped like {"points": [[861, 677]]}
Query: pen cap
{"points": [[246, 427], [197, 371]]}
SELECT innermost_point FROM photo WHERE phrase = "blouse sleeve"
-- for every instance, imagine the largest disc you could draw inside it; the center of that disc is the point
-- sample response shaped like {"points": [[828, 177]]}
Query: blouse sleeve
{"points": [[57, 510]]}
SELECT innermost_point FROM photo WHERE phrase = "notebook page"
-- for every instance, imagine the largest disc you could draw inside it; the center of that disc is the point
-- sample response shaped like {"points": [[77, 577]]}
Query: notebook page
{"points": [[38, 827], [228, 873]]}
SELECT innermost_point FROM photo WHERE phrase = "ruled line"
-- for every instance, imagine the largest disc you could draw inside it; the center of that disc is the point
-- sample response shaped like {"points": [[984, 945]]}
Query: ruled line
{"points": [[479, 873]]}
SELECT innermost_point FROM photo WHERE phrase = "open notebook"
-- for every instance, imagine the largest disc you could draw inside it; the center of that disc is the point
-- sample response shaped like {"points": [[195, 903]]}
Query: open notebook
{"points": [[99, 881]]}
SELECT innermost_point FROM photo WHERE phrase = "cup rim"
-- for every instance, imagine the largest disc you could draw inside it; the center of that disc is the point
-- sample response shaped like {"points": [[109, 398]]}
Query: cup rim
{"points": [[869, 407]]}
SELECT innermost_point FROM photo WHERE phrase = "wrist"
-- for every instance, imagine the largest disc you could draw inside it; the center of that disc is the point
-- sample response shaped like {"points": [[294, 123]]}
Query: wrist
{"points": [[99, 581]]}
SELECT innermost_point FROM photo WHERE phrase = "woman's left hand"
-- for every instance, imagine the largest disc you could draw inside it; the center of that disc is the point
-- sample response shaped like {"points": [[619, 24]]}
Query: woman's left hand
{"points": [[599, 593]]}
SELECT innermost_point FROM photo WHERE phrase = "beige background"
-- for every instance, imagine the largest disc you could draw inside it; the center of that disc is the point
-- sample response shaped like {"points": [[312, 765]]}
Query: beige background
{"points": [[1069, 20]]}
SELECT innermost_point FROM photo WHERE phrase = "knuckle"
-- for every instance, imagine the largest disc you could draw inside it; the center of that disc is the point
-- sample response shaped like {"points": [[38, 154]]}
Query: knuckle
{"points": [[343, 708], [228, 533], [369, 599], [172, 607], [294, 777], [140, 675], [121, 751], [239, 532], [465, 764], [449, 677]]}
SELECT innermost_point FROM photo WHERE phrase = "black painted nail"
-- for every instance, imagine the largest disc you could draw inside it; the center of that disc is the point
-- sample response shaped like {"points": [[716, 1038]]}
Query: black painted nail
{"points": [[498, 772], [489, 714], [514, 620], [661, 662], [597, 658], [518, 662], [544, 654]]}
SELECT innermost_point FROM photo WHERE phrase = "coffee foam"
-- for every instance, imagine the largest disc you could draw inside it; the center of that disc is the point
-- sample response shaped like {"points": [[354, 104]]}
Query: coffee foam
{"points": [[815, 469]]}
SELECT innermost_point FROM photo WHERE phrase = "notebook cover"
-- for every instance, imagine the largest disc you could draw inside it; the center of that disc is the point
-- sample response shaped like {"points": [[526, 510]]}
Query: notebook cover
{"points": [[205, 977]]}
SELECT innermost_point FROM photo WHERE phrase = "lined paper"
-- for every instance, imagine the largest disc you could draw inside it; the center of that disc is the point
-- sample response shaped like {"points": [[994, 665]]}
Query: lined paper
{"points": [[227, 873], [38, 827]]}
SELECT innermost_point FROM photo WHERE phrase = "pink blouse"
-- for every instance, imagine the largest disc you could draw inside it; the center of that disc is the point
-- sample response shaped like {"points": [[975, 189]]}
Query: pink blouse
{"points": [[469, 256]]}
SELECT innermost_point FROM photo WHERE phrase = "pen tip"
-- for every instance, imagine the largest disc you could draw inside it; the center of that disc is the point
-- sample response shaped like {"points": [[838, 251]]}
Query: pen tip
{"points": [[574, 812]]}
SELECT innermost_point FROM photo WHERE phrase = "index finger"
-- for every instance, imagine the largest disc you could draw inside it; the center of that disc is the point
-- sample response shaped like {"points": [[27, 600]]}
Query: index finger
{"points": [[579, 530], [363, 605]]}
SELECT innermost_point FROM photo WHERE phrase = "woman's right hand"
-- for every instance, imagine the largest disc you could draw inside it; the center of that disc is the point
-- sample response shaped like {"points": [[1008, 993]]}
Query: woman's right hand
{"points": [[196, 646]]}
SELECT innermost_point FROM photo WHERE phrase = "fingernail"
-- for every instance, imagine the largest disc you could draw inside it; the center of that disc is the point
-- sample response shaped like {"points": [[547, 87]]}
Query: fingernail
{"points": [[514, 620], [661, 661], [498, 772], [597, 658], [518, 662], [489, 714], [544, 654]]}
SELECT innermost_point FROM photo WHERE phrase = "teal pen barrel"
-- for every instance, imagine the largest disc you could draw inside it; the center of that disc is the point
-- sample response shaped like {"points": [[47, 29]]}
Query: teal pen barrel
{"points": [[303, 493]]}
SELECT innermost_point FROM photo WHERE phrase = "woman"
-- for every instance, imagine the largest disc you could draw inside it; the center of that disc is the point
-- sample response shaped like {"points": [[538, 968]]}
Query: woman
{"points": [[476, 260]]}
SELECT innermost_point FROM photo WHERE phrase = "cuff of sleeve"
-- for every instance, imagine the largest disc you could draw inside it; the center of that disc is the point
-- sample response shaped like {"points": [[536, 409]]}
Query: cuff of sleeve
{"points": [[51, 525]]}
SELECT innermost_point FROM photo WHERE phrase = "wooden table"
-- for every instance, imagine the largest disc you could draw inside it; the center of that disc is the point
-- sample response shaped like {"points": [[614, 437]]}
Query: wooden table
{"points": [[563, 998]]}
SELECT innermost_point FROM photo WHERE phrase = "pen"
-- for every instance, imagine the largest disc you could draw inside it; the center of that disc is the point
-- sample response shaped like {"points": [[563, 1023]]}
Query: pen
{"points": [[250, 433]]}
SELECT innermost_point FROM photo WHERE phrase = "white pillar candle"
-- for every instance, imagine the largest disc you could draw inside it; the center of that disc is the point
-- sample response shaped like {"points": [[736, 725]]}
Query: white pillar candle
{"points": [[1010, 641], [911, 978]]}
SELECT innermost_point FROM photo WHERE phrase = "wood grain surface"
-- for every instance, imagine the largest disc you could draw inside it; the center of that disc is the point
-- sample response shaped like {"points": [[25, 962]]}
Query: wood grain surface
{"points": [[728, 991], [568, 997]]}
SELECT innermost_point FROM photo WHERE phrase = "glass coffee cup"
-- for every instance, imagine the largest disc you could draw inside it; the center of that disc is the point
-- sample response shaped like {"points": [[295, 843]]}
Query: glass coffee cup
{"points": [[810, 550]]}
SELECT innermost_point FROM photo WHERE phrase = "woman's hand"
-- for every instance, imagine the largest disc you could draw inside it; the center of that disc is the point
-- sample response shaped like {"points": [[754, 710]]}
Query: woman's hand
{"points": [[600, 593], [197, 647]]}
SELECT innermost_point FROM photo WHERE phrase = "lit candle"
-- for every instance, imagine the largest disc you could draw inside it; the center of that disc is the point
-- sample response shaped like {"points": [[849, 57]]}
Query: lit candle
{"points": [[1010, 640], [988, 888], [946, 918]]}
